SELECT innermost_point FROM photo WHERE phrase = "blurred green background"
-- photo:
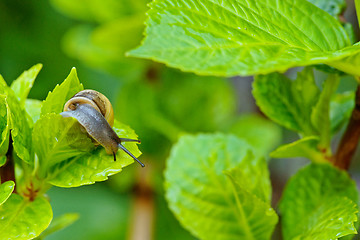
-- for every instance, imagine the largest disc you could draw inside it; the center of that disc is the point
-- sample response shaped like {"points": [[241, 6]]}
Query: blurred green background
{"points": [[159, 103]]}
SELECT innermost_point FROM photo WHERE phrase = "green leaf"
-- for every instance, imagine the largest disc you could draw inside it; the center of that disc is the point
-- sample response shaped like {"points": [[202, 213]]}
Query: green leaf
{"points": [[306, 147], [119, 36], [3, 85], [252, 176], [320, 116], [59, 223], [20, 128], [56, 99], [166, 223], [22, 220], [319, 202], [349, 64], [241, 37], [57, 139], [305, 91], [357, 6], [261, 133], [255, 229], [333, 7], [284, 101], [206, 201], [33, 108], [2, 160], [341, 107], [350, 32], [22, 85], [6, 190], [4, 126], [16, 120], [96, 165]]}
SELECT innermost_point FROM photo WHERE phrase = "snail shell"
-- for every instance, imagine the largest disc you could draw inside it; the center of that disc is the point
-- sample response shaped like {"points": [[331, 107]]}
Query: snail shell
{"points": [[95, 113], [95, 99]]}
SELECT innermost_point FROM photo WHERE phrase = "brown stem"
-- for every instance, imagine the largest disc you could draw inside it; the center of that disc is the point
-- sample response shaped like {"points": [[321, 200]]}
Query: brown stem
{"points": [[7, 171], [143, 208], [350, 139]]}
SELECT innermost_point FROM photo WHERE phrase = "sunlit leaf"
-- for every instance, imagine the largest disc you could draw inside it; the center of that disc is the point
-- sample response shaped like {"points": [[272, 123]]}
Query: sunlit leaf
{"points": [[57, 139], [56, 99], [349, 64], [213, 204], [306, 147], [320, 115], [21, 219], [4, 126], [20, 128], [96, 165], [333, 7], [319, 202], [341, 106], [2, 160], [23, 84], [6, 190], [241, 37], [33, 108], [284, 101]]}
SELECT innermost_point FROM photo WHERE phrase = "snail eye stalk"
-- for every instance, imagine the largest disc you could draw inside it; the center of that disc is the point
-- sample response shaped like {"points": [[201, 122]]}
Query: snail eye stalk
{"points": [[130, 154]]}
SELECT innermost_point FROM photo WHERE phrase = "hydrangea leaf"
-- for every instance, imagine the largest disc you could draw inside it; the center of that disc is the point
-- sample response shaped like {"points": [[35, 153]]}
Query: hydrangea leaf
{"points": [[349, 64], [17, 122], [286, 102], [299, 105], [241, 37], [20, 128], [54, 102], [23, 84], [2, 160], [319, 202], [4, 126], [22, 219], [306, 147], [341, 107], [33, 108], [212, 183], [59, 223], [57, 139], [6, 190], [320, 115], [333, 7], [96, 165]]}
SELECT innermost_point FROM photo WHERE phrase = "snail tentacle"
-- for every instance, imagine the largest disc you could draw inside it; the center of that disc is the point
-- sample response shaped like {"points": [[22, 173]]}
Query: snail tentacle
{"points": [[130, 154]]}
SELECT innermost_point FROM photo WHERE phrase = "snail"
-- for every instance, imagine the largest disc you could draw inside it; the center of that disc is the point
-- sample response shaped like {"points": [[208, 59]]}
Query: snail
{"points": [[95, 113]]}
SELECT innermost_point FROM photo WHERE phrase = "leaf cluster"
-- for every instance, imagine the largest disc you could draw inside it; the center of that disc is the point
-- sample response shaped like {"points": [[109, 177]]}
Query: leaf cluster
{"points": [[217, 184], [47, 150]]}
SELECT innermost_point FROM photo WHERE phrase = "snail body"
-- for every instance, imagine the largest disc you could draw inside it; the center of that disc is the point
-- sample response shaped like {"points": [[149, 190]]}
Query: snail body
{"points": [[95, 113]]}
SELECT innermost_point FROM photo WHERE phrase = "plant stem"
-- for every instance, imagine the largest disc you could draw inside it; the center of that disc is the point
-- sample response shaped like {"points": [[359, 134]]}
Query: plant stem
{"points": [[350, 139], [7, 171], [357, 7], [143, 211]]}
